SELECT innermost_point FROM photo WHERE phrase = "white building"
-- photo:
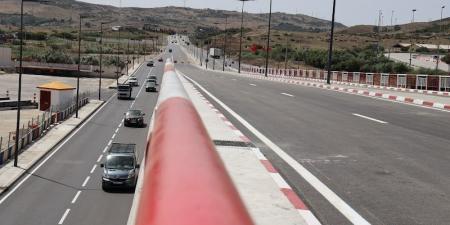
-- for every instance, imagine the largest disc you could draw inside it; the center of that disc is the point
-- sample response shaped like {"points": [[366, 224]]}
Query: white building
{"points": [[56, 95]]}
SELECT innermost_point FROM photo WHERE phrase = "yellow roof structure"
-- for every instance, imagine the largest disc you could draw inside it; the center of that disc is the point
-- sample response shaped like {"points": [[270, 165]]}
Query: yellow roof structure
{"points": [[56, 85]]}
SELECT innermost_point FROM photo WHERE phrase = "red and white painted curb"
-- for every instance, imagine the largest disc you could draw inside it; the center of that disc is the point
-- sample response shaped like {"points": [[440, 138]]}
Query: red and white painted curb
{"points": [[285, 188], [403, 99]]}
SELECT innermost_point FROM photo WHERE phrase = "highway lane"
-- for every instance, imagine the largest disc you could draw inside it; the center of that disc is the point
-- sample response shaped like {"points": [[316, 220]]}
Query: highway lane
{"points": [[391, 173], [61, 192]]}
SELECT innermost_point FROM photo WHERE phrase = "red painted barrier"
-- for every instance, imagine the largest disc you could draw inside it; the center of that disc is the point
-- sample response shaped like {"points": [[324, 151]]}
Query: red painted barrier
{"points": [[185, 181]]}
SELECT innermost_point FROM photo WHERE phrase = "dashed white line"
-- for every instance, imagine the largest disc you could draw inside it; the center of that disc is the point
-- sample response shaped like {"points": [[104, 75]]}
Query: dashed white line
{"points": [[254, 85], [346, 210], [76, 197], [369, 118], [61, 221], [114, 135], [99, 158], [105, 149], [93, 168], [109, 142], [117, 130], [85, 181], [287, 94]]}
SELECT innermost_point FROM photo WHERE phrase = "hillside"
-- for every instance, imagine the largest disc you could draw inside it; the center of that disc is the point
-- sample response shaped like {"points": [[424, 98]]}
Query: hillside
{"points": [[66, 13]]}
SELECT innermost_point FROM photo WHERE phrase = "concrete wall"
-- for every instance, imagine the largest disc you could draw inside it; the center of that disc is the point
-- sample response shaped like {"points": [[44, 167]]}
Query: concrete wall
{"points": [[5, 58]]}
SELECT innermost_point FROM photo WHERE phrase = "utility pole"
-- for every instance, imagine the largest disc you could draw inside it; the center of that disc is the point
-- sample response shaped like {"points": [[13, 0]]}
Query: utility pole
{"points": [[286, 53], [225, 43], [242, 33], [268, 40], [438, 47], [100, 61], [128, 56], [79, 68], [411, 41], [330, 50], [16, 149], [380, 13]]}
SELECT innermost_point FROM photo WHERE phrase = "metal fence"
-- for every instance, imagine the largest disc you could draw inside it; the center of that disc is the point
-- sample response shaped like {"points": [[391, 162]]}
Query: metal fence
{"points": [[36, 128]]}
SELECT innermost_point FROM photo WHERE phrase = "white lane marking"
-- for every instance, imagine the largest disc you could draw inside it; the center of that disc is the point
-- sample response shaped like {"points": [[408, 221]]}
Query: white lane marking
{"points": [[117, 130], [287, 94], [369, 118], [113, 136], [54, 152], [254, 85], [99, 158], [105, 149], [346, 210], [93, 168], [76, 197], [61, 221], [85, 181], [109, 143]]}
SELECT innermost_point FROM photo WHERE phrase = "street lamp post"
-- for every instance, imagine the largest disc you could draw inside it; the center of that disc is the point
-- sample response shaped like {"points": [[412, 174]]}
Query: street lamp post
{"points": [[286, 53], [242, 33], [79, 67], [439, 45], [411, 44], [268, 40], [100, 62], [330, 50], [225, 43]]}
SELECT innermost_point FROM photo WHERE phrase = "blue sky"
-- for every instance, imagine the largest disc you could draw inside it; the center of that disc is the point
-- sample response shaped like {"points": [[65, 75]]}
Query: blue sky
{"points": [[349, 12]]}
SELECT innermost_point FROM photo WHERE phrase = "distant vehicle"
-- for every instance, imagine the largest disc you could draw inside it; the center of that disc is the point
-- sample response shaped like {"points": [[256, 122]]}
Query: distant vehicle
{"points": [[151, 64], [124, 91], [133, 81], [175, 61], [160, 60], [170, 50], [120, 168], [152, 78], [134, 117], [150, 86]]}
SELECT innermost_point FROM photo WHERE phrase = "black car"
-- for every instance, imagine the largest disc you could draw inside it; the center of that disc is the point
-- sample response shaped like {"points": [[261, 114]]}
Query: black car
{"points": [[160, 59], [134, 117], [151, 64], [170, 50], [150, 86]]}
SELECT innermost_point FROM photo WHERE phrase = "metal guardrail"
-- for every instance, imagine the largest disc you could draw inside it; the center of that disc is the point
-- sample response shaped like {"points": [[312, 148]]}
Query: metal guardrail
{"points": [[35, 129]]}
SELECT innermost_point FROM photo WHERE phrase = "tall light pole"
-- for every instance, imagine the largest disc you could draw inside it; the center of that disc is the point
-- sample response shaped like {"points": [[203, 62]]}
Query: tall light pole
{"points": [[439, 45], [225, 43], [411, 43], [117, 28], [100, 62], [268, 39], [286, 53], [242, 33], [79, 67], [330, 50]]}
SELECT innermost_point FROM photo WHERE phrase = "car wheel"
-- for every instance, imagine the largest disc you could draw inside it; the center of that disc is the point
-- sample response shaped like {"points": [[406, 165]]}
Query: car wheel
{"points": [[104, 187]]}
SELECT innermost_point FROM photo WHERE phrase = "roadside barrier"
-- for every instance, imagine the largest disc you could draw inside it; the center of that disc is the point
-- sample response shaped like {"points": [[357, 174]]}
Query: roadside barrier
{"points": [[436, 83], [34, 130], [185, 181]]}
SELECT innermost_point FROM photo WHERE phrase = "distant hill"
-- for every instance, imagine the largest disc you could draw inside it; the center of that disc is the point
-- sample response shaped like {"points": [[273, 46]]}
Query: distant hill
{"points": [[66, 13]]}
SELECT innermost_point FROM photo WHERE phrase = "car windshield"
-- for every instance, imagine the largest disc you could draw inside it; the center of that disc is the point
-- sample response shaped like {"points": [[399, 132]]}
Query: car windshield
{"points": [[134, 112], [152, 77], [124, 87], [119, 162]]}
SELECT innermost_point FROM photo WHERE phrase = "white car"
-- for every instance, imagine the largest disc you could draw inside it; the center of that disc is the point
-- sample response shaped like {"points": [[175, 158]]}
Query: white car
{"points": [[133, 81]]}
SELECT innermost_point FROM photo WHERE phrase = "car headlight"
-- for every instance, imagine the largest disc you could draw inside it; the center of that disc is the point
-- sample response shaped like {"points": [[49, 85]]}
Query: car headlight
{"points": [[131, 174]]}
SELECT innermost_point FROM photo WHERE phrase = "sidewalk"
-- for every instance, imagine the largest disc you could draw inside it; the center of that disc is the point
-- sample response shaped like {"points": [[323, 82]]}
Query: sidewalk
{"points": [[268, 197], [10, 174]]}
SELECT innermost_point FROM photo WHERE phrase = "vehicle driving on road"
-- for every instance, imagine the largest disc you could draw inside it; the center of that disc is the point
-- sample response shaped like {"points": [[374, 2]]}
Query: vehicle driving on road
{"points": [[124, 91], [120, 168], [134, 117], [150, 64], [133, 81], [150, 86], [152, 78]]}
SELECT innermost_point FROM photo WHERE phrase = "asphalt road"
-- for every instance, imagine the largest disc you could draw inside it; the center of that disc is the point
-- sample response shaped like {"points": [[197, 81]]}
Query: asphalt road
{"points": [[51, 195], [388, 161]]}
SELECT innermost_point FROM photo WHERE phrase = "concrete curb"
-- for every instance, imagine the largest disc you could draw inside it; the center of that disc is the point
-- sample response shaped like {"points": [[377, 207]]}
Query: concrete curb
{"points": [[285, 188], [14, 179]]}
